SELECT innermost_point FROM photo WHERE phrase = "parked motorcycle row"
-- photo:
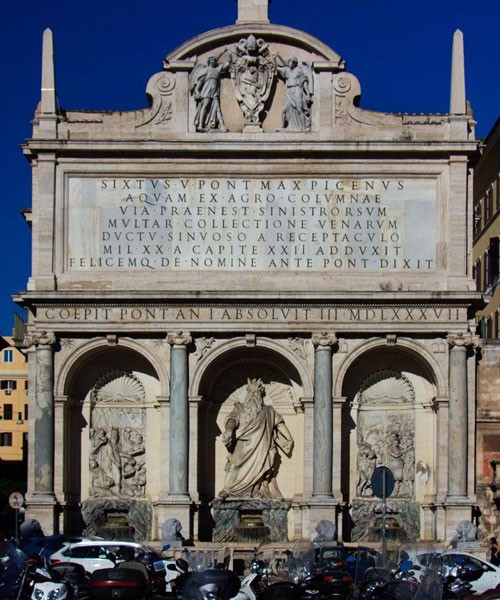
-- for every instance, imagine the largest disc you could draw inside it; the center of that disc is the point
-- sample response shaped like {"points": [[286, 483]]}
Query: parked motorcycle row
{"points": [[96, 569]]}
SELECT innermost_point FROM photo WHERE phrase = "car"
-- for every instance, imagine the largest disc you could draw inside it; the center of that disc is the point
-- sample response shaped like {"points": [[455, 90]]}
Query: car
{"points": [[101, 554], [446, 561], [353, 559], [46, 546]]}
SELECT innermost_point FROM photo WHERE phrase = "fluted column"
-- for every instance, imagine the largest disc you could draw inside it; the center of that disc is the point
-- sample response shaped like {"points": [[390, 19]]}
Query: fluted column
{"points": [[458, 414], [323, 414], [179, 414], [42, 416]]}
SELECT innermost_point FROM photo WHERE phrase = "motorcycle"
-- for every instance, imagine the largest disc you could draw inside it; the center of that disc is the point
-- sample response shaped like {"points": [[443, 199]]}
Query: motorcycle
{"points": [[131, 579], [259, 584], [201, 578], [457, 581], [12, 569], [39, 582]]}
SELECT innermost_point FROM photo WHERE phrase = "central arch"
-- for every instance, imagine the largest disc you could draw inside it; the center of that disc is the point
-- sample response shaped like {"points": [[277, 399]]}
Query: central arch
{"points": [[221, 381]]}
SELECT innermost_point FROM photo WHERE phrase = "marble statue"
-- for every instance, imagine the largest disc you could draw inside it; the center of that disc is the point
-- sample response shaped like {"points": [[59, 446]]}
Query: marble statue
{"points": [[205, 88], [254, 433], [296, 114]]}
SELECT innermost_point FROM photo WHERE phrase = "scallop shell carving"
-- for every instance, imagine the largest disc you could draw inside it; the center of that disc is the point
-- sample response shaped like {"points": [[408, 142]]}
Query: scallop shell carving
{"points": [[118, 386], [387, 387]]}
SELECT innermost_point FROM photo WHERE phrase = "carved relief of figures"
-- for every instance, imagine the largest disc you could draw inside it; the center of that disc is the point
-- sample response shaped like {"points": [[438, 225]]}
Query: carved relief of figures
{"points": [[204, 84], [386, 435], [296, 113], [252, 73], [367, 463], [117, 449], [254, 433]]}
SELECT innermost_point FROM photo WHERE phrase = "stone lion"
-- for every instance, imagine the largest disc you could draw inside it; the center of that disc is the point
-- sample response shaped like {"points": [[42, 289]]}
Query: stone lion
{"points": [[466, 532], [326, 531], [171, 531]]}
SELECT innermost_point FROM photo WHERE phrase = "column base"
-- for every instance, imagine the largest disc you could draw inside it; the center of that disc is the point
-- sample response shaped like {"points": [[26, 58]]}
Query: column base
{"points": [[45, 509], [457, 509], [173, 507], [321, 508]]}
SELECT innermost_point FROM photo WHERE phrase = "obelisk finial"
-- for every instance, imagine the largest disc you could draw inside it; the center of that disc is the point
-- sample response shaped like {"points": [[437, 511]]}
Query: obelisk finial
{"points": [[48, 103], [253, 11], [457, 95]]}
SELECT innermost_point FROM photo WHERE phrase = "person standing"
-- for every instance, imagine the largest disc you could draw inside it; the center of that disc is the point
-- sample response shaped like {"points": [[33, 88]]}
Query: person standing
{"points": [[494, 552]]}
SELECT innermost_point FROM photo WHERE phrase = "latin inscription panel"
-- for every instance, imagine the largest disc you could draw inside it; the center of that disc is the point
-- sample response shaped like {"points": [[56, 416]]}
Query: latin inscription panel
{"points": [[325, 224]]}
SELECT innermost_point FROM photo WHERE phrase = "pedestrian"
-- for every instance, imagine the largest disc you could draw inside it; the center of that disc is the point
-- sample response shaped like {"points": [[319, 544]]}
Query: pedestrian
{"points": [[494, 552]]}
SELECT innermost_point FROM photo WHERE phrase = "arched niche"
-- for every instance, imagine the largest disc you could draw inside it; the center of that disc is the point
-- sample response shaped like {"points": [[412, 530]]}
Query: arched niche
{"points": [[222, 383], [110, 394], [389, 418]]}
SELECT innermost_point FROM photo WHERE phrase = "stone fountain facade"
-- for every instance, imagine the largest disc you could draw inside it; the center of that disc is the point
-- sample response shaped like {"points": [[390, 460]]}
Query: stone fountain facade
{"points": [[252, 223]]}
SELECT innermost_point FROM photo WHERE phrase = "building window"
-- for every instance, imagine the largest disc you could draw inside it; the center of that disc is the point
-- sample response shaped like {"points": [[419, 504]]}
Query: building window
{"points": [[26, 386], [8, 356], [477, 274], [488, 204], [493, 262], [25, 412], [8, 385], [7, 412], [477, 218], [6, 438]]}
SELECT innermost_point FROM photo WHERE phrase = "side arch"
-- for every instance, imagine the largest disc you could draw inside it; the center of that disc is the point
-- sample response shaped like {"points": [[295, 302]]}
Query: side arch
{"points": [[72, 364], [414, 349]]}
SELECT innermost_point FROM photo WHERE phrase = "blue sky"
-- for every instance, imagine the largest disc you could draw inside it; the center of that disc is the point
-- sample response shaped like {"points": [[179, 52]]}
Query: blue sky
{"points": [[106, 50]]}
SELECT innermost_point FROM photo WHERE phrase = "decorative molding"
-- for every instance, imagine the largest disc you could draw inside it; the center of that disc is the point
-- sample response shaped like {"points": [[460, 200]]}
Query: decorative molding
{"points": [[203, 346], [161, 111]]}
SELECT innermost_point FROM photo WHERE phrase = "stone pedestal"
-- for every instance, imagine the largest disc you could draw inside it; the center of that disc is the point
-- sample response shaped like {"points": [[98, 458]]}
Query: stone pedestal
{"points": [[173, 508], [402, 520], [321, 509], [118, 519], [230, 516]]}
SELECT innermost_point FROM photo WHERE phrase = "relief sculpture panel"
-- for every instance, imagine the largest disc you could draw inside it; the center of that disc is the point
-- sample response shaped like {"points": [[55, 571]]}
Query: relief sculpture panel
{"points": [[386, 432], [117, 458]]}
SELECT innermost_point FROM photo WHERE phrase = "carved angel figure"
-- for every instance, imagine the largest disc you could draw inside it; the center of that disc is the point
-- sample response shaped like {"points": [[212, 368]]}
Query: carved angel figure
{"points": [[296, 114], [204, 83]]}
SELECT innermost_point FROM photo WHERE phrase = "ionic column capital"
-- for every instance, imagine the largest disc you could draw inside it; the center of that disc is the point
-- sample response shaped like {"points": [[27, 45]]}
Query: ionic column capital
{"points": [[462, 340], [39, 339], [179, 338], [324, 339]]}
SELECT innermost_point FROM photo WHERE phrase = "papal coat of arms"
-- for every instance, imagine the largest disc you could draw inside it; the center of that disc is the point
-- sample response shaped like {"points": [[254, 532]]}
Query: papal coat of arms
{"points": [[252, 73]]}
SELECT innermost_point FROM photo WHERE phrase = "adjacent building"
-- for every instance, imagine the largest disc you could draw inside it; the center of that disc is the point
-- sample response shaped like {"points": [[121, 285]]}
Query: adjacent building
{"points": [[487, 232], [486, 269], [13, 401]]}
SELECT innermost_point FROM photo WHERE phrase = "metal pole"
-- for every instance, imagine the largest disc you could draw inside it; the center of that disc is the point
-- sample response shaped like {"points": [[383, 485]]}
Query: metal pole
{"points": [[384, 538], [16, 526]]}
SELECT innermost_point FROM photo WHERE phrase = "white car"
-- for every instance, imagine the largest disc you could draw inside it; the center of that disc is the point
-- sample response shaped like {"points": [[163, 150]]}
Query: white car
{"points": [[93, 555], [490, 578]]}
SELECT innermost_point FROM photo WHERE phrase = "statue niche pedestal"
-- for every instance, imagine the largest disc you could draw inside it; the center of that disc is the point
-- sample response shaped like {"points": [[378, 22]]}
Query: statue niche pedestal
{"points": [[250, 520]]}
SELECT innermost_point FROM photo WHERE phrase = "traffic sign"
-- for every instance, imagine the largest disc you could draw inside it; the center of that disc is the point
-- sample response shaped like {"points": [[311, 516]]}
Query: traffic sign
{"points": [[16, 500], [382, 482]]}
